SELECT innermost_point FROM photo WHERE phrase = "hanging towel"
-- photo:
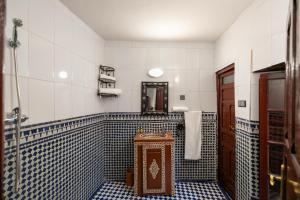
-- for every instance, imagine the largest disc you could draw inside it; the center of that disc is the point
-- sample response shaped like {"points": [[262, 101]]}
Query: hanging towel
{"points": [[193, 135]]}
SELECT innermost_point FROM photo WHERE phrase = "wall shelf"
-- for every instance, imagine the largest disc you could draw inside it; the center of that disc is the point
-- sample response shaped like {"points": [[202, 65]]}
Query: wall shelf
{"points": [[107, 82]]}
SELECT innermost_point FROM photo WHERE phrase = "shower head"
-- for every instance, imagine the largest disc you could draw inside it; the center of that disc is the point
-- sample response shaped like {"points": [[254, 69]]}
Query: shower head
{"points": [[14, 43], [17, 22]]}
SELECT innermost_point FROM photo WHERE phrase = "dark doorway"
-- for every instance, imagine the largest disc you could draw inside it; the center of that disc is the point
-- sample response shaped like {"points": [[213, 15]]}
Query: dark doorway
{"points": [[226, 127]]}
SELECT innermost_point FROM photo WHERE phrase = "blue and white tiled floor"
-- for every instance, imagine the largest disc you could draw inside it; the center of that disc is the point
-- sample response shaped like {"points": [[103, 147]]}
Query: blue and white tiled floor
{"points": [[184, 190]]}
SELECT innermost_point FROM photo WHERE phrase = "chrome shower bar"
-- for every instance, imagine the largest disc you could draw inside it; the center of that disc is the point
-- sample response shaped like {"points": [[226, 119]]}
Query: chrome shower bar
{"points": [[16, 117]]}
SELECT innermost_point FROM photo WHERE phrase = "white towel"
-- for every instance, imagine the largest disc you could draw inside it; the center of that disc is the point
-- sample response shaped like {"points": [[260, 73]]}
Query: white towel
{"points": [[180, 109], [193, 135], [110, 91], [104, 76]]}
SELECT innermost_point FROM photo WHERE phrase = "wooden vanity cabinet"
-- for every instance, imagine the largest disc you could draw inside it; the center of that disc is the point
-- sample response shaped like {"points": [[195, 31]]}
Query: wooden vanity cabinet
{"points": [[154, 164]]}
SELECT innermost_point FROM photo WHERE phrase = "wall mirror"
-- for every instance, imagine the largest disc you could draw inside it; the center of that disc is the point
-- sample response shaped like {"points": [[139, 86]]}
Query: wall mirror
{"points": [[155, 98]]}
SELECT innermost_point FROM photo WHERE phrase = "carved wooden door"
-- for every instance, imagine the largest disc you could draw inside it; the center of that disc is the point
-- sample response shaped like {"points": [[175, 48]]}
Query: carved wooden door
{"points": [[226, 113], [292, 124]]}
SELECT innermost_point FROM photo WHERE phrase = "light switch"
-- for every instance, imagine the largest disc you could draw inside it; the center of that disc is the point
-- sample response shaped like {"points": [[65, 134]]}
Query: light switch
{"points": [[182, 97], [241, 103]]}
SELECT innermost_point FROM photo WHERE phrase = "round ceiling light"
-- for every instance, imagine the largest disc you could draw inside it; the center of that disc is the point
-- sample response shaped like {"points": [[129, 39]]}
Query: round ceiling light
{"points": [[63, 74], [155, 72]]}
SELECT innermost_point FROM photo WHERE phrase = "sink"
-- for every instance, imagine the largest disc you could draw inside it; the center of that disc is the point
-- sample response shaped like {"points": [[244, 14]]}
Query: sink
{"points": [[153, 135]]}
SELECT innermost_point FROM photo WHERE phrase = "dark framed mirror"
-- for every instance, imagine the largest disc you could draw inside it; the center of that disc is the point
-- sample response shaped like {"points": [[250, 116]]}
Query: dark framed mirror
{"points": [[155, 98]]}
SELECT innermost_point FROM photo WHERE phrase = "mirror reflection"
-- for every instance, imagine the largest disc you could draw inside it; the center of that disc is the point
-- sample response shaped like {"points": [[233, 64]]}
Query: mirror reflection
{"points": [[154, 97]]}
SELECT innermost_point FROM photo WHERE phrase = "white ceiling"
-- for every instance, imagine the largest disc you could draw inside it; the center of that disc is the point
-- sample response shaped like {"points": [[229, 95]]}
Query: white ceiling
{"points": [[158, 20]]}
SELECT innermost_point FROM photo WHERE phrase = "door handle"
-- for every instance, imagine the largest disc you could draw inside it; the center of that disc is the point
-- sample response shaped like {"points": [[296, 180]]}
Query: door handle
{"points": [[296, 187], [294, 184]]}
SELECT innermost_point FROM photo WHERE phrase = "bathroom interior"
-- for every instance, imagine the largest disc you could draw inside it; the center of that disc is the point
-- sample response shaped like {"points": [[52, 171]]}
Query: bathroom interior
{"points": [[150, 99]]}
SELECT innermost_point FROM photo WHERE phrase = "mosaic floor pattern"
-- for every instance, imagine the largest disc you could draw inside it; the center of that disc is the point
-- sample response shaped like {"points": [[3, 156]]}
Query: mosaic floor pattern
{"points": [[184, 190]]}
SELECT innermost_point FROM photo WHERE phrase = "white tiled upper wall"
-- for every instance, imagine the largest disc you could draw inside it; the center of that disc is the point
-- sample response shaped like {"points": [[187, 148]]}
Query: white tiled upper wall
{"points": [[189, 69], [255, 41], [53, 41]]}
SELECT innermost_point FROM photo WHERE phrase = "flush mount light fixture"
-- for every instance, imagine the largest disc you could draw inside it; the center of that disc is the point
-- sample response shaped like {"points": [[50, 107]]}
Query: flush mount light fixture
{"points": [[63, 74], [155, 72]]}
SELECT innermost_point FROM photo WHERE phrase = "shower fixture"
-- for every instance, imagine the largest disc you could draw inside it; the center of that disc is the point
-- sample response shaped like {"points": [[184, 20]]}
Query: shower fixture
{"points": [[14, 43], [15, 117]]}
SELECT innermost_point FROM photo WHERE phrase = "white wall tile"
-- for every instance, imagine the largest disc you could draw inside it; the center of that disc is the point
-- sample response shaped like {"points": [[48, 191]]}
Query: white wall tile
{"points": [[17, 9], [62, 65], [176, 98], [111, 56], [207, 80], [243, 68], [195, 101], [136, 101], [79, 72], [41, 18], [78, 101], [139, 57], [171, 98], [173, 58], [279, 12], [192, 59], [242, 92], [41, 58], [22, 53], [110, 104], [62, 101], [64, 27], [194, 78], [153, 58], [206, 58], [208, 101], [254, 102], [91, 101], [10, 94], [41, 101], [181, 65], [182, 80], [278, 48], [49, 46], [92, 75], [125, 101], [125, 78]]}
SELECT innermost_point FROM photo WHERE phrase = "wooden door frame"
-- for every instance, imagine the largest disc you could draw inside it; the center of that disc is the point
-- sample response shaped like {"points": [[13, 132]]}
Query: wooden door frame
{"points": [[263, 103], [2, 25], [219, 74], [263, 129]]}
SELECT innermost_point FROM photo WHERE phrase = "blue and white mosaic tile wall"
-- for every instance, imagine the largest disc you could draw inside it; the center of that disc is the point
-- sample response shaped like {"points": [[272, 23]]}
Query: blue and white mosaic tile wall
{"points": [[247, 159], [60, 160], [70, 159], [120, 129]]}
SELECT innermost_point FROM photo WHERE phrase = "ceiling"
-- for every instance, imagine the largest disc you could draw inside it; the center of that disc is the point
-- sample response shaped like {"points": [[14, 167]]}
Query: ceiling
{"points": [[158, 20]]}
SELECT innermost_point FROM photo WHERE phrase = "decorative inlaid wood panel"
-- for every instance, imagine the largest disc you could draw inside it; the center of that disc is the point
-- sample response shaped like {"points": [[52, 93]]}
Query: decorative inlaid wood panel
{"points": [[154, 178]]}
